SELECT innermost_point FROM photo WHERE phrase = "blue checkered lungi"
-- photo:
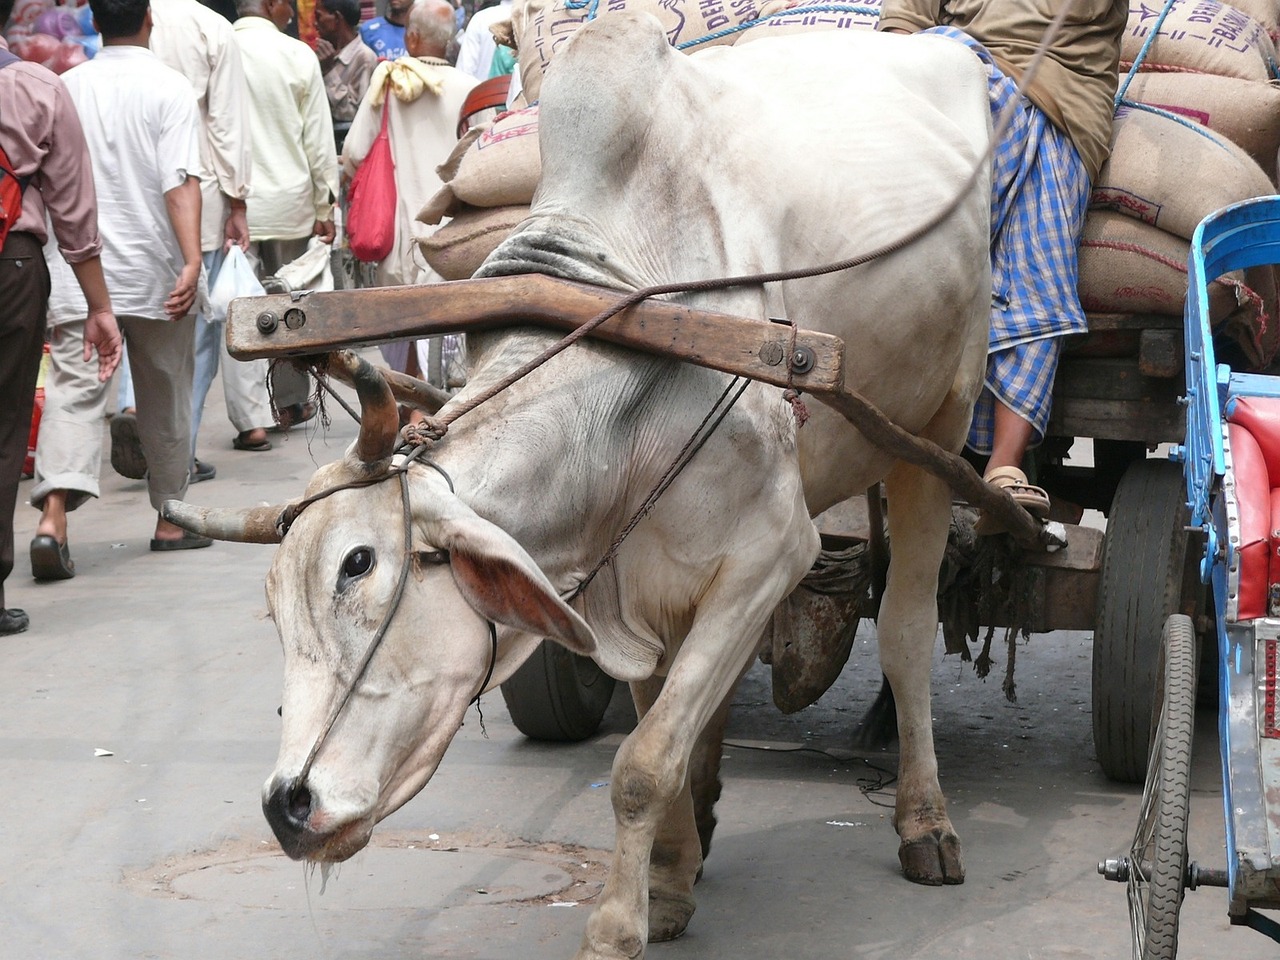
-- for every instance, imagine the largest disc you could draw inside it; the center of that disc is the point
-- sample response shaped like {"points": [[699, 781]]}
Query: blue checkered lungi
{"points": [[1040, 192]]}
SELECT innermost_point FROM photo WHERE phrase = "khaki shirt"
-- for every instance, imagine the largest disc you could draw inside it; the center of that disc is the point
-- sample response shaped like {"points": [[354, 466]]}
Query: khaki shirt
{"points": [[1075, 84], [347, 78]]}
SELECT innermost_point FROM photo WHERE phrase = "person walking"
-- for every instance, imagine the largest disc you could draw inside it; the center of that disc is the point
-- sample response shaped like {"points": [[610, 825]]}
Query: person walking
{"points": [[42, 137], [346, 61], [141, 124], [422, 95], [295, 163], [201, 45]]}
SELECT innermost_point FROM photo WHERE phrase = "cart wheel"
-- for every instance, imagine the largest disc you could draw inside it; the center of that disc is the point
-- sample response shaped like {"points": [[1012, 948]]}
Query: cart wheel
{"points": [[1141, 584], [557, 695], [1158, 857]]}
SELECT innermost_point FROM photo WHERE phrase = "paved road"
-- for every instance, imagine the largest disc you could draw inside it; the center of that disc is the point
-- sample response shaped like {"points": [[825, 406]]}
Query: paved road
{"points": [[159, 849]]}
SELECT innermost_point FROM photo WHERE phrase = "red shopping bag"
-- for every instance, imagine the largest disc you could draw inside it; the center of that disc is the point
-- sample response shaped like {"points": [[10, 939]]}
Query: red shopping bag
{"points": [[371, 209], [29, 464]]}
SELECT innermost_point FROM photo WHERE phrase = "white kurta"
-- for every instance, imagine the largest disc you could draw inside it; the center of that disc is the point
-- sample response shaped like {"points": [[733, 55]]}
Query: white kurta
{"points": [[142, 127], [201, 45], [423, 133], [295, 162]]}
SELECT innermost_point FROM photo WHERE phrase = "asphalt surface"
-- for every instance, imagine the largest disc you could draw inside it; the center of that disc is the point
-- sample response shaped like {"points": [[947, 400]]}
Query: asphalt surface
{"points": [[139, 722]]}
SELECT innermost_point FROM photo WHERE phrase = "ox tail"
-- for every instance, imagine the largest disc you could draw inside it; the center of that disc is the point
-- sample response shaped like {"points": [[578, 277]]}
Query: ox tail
{"points": [[251, 525]]}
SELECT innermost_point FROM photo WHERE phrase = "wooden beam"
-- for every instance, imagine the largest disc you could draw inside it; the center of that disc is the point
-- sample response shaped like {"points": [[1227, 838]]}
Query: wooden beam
{"points": [[285, 325]]}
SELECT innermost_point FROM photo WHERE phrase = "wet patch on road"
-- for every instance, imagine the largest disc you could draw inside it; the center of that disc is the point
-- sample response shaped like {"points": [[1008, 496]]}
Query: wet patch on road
{"points": [[396, 871]]}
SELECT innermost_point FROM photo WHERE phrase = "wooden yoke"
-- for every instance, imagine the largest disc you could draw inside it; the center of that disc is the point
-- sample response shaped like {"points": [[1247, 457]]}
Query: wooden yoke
{"points": [[299, 325], [285, 325]]}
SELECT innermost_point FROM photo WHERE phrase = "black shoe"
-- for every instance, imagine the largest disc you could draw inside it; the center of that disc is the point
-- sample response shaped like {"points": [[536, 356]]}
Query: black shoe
{"points": [[13, 621], [51, 560], [201, 471], [127, 458]]}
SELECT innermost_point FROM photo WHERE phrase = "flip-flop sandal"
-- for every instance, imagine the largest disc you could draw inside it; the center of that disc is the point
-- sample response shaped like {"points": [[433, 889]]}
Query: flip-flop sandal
{"points": [[188, 541], [256, 447], [1013, 481], [127, 456], [51, 560]]}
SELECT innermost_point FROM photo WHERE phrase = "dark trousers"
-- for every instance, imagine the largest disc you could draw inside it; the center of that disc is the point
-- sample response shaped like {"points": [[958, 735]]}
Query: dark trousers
{"points": [[24, 292]]}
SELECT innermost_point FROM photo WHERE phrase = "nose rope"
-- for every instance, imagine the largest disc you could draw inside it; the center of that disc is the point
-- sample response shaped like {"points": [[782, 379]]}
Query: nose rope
{"points": [[298, 781], [415, 455]]}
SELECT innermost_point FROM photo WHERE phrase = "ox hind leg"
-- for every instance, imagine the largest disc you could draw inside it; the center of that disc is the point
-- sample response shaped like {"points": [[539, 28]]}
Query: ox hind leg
{"points": [[919, 516], [683, 836]]}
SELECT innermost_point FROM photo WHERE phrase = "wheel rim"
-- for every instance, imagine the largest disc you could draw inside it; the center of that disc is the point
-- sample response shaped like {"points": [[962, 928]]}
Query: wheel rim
{"points": [[1158, 855]]}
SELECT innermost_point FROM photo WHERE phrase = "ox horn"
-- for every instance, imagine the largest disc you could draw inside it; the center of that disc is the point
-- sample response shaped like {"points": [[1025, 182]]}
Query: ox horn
{"points": [[251, 525], [379, 419]]}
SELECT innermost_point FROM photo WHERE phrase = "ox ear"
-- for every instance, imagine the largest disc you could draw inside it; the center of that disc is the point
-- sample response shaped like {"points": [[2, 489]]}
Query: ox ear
{"points": [[501, 589], [501, 581]]}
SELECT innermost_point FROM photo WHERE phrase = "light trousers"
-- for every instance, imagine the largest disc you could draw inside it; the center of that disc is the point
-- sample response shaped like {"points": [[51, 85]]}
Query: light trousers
{"points": [[69, 452]]}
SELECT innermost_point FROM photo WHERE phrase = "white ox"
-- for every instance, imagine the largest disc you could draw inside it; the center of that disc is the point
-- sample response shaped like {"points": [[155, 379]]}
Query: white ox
{"points": [[657, 167]]}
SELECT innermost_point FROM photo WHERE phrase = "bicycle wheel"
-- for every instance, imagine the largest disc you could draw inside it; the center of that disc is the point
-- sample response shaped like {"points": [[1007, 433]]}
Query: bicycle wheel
{"points": [[1158, 857]]}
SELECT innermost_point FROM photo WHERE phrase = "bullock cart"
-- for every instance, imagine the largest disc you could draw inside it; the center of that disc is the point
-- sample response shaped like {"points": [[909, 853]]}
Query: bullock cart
{"points": [[1232, 473], [1119, 387]]}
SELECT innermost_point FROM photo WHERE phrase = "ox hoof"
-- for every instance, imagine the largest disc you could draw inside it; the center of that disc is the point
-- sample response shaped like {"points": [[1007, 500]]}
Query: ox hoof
{"points": [[932, 859], [668, 917]]}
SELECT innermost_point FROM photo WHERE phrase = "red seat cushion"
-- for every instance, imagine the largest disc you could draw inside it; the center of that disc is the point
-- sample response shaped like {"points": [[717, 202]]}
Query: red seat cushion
{"points": [[1261, 417], [1253, 495]]}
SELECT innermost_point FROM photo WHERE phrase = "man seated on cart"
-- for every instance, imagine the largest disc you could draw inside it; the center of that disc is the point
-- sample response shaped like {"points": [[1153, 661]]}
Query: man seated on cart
{"points": [[1041, 176]]}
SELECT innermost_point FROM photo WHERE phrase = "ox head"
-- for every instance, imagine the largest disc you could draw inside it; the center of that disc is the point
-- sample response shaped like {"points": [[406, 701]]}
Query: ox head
{"points": [[359, 741]]}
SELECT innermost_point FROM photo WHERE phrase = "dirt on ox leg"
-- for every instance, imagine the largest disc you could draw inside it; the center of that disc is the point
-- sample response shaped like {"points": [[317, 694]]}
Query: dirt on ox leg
{"points": [[919, 516], [676, 859]]}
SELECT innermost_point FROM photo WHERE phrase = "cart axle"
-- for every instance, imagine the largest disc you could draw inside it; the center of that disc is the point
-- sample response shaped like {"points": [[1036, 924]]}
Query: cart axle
{"points": [[1121, 868]]}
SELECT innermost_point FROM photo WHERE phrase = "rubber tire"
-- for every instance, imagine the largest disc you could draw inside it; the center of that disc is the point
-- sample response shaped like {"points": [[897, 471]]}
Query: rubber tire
{"points": [[558, 695], [1161, 838], [1140, 585]]}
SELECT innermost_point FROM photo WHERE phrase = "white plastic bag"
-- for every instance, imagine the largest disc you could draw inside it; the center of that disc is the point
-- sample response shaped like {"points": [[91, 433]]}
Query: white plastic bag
{"points": [[235, 279], [311, 270]]}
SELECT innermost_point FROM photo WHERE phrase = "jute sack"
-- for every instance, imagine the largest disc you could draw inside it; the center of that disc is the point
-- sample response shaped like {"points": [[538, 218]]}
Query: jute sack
{"points": [[1266, 12], [1127, 266], [457, 249], [779, 18], [686, 22], [1199, 36], [1171, 173], [501, 167], [1245, 112]]}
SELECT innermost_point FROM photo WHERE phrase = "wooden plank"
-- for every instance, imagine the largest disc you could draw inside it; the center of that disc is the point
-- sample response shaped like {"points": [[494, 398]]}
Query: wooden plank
{"points": [[1111, 379], [1145, 421], [1160, 353], [847, 520], [320, 322], [1133, 321]]}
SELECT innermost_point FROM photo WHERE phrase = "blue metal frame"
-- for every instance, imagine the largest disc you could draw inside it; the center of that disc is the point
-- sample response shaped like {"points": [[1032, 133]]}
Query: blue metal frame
{"points": [[1234, 238]]}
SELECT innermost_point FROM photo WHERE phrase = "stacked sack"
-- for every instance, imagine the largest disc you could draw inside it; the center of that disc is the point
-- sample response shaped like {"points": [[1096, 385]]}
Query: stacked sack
{"points": [[1201, 130], [489, 180], [57, 37], [1198, 128]]}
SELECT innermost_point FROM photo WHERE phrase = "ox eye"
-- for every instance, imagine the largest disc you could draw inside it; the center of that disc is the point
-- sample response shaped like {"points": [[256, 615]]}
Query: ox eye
{"points": [[359, 562]]}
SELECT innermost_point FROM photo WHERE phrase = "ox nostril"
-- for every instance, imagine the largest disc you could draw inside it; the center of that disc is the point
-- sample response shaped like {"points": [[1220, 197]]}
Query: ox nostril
{"points": [[298, 804]]}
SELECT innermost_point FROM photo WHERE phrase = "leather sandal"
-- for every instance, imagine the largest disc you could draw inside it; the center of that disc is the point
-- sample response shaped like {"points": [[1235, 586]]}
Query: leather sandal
{"points": [[1013, 481]]}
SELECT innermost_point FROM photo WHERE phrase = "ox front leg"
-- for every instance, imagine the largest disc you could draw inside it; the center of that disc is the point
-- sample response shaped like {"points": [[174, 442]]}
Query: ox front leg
{"points": [[649, 892], [919, 517], [677, 853]]}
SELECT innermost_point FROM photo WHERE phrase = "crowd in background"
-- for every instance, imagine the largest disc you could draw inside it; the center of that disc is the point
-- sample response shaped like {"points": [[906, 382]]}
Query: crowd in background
{"points": [[179, 144]]}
